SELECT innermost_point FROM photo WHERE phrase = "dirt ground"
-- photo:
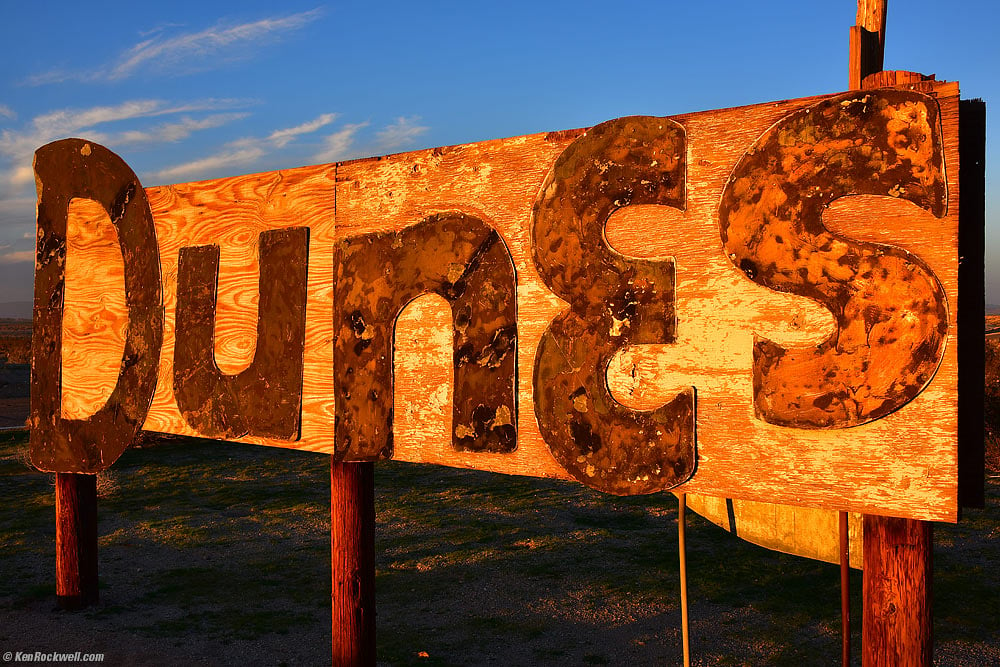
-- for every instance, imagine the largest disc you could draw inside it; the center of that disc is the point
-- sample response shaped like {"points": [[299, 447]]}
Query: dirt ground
{"points": [[220, 556]]}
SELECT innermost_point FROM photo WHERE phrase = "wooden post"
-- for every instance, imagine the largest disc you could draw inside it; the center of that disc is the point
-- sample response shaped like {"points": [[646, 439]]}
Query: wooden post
{"points": [[867, 41], [352, 542], [896, 625], [897, 592], [76, 540]]}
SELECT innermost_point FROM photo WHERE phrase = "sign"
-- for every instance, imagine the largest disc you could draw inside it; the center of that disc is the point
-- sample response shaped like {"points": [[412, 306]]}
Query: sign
{"points": [[754, 303]]}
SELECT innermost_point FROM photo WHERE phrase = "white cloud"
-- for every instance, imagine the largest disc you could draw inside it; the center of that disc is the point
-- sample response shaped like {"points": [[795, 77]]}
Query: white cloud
{"points": [[17, 219], [400, 133], [17, 257], [191, 51], [19, 176], [341, 144], [168, 132], [281, 138], [337, 146], [64, 122], [240, 153], [18, 146], [18, 212], [230, 157], [7, 112]]}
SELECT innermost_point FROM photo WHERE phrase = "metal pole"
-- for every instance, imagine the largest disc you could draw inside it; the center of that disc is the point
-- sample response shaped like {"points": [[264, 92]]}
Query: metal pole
{"points": [[682, 555]]}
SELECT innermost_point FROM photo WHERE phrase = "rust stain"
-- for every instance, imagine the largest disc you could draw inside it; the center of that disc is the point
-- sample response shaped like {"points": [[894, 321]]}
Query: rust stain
{"points": [[462, 259], [890, 309], [67, 169], [265, 399], [614, 301]]}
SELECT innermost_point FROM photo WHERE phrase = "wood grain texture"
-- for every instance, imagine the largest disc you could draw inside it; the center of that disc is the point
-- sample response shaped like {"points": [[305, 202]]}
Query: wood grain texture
{"points": [[897, 619], [96, 270], [352, 563], [802, 531], [867, 42], [903, 464], [871, 16], [76, 540]]}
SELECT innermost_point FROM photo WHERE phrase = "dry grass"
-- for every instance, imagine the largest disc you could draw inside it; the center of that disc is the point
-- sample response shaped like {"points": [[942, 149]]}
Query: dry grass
{"points": [[218, 554]]}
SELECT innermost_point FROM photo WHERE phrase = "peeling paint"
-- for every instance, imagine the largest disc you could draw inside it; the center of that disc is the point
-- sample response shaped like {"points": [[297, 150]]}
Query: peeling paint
{"points": [[614, 301], [64, 170], [265, 399], [890, 309], [462, 259]]}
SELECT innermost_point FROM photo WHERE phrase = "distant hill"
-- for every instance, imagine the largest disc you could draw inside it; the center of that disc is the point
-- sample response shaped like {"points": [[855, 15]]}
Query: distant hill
{"points": [[992, 309], [18, 310]]}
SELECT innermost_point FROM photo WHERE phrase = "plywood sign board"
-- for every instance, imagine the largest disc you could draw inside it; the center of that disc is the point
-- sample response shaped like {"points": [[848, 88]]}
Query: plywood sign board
{"points": [[754, 303]]}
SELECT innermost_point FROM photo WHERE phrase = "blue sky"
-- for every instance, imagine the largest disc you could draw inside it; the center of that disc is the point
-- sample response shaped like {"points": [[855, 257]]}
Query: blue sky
{"points": [[192, 90]]}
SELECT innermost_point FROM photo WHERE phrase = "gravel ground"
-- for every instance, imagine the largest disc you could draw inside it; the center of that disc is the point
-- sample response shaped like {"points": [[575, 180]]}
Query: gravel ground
{"points": [[464, 579]]}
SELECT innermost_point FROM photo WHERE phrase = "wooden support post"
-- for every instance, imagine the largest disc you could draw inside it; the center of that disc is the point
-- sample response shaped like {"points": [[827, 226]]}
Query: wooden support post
{"points": [[867, 46], [896, 581], [897, 592], [76, 540], [352, 542]]}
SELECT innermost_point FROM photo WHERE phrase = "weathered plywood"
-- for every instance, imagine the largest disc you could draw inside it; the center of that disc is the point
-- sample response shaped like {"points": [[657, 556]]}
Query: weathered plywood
{"points": [[901, 463], [801, 531]]}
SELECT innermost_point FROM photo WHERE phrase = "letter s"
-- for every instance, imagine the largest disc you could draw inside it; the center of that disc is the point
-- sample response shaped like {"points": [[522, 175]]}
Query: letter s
{"points": [[890, 309]]}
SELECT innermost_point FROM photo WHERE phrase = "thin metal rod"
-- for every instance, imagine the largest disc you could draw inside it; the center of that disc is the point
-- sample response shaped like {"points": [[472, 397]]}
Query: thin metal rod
{"points": [[682, 555], [845, 590]]}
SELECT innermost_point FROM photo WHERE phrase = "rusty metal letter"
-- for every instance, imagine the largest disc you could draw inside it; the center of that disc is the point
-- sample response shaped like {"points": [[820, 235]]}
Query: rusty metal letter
{"points": [[890, 309], [462, 259], [74, 168], [614, 301], [264, 399]]}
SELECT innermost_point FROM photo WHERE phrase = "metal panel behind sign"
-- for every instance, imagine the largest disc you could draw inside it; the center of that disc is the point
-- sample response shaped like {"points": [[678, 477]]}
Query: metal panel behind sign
{"points": [[755, 303]]}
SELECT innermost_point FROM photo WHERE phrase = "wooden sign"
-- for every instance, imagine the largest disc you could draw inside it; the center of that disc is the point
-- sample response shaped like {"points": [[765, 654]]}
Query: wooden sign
{"points": [[755, 303]]}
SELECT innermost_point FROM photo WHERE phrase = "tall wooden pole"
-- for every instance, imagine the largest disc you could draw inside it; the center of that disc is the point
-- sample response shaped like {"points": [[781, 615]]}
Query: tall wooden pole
{"points": [[352, 543], [867, 41], [76, 540], [896, 581], [897, 592]]}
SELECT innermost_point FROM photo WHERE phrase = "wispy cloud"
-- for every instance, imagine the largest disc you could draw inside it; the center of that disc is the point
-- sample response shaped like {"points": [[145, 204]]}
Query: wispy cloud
{"points": [[17, 256], [338, 146], [399, 134], [15, 204], [168, 132], [341, 144], [281, 138], [65, 122], [18, 145], [240, 153], [7, 112], [229, 157], [18, 176], [188, 52]]}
